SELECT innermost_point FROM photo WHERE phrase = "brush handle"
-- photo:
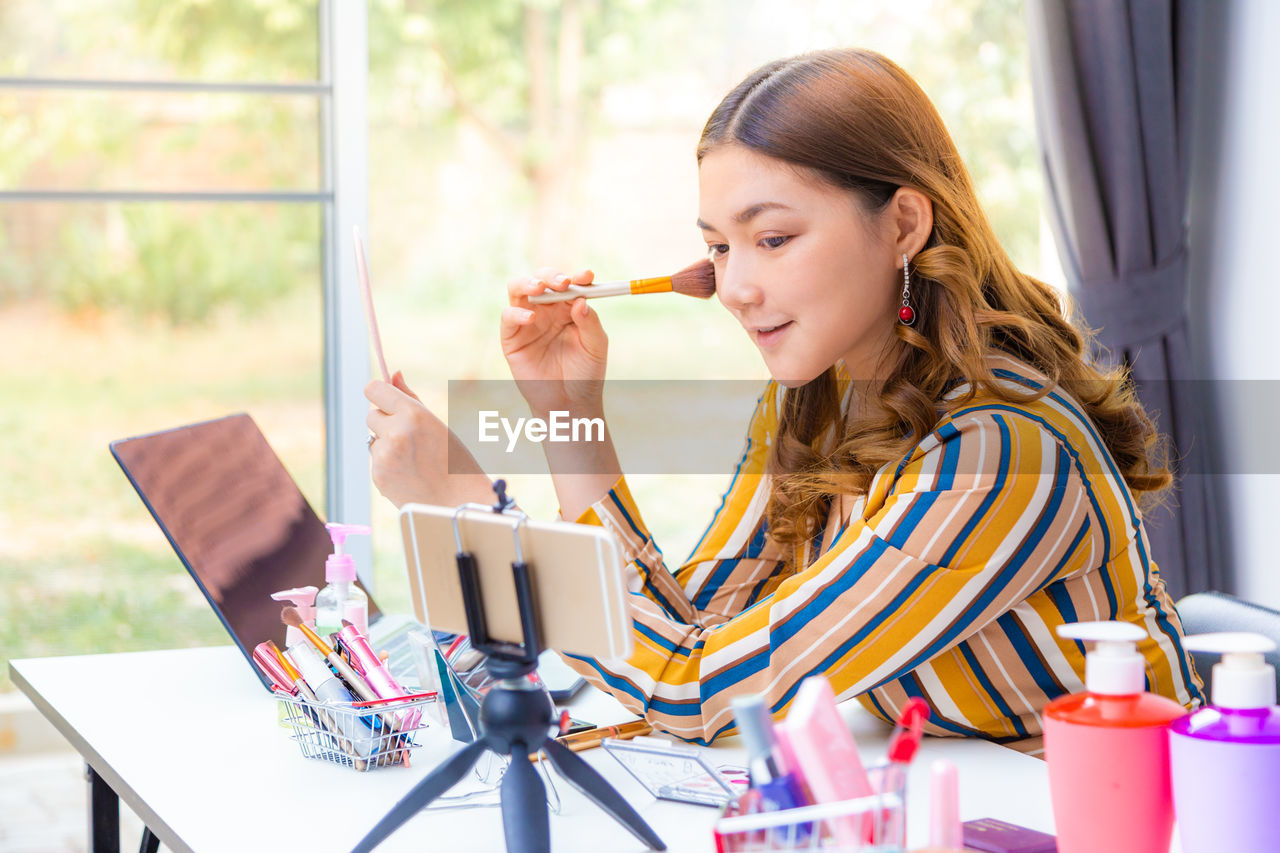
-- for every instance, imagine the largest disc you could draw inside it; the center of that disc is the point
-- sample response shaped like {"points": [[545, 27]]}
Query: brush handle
{"points": [[361, 687], [353, 678], [349, 675], [328, 722], [362, 273], [587, 291]]}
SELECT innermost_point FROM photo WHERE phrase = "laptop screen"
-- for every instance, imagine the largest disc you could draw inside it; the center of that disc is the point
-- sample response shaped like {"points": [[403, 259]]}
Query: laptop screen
{"points": [[235, 517]]}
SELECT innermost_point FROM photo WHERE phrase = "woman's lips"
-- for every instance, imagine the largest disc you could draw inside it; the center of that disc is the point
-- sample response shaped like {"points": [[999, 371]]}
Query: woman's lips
{"points": [[772, 336]]}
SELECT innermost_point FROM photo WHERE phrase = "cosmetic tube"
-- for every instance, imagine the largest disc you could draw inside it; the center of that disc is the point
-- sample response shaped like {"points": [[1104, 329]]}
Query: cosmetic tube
{"points": [[329, 690], [945, 832], [371, 666], [818, 749], [778, 789], [265, 657], [376, 674]]}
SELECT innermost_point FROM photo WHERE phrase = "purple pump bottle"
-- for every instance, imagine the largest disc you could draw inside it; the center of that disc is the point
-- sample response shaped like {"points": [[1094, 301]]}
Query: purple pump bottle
{"points": [[1225, 758]]}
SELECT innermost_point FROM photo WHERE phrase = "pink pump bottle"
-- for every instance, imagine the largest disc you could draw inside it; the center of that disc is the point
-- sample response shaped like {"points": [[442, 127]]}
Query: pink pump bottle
{"points": [[341, 598], [1226, 757], [1107, 750], [303, 599]]}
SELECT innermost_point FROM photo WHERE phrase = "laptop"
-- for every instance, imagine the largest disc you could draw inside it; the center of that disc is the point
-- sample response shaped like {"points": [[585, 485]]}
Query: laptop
{"points": [[243, 529]]}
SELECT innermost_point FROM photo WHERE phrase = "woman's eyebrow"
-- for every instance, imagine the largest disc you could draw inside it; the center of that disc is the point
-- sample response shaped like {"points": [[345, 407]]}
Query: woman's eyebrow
{"points": [[749, 213]]}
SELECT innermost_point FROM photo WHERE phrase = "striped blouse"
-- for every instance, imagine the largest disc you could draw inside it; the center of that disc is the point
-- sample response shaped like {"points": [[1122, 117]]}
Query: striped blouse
{"points": [[947, 583]]}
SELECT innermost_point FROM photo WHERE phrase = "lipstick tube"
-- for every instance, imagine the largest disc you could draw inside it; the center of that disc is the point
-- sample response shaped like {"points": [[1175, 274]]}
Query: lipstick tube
{"points": [[375, 673], [945, 831], [374, 670], [264, 655]]}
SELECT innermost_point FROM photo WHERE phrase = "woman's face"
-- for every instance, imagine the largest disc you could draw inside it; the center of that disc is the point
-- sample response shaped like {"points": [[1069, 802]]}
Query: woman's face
{"points": [[808, 273]]}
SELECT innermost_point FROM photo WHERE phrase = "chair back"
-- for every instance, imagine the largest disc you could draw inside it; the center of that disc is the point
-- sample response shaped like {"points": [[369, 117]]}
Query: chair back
{"points": [[1206, 612]]}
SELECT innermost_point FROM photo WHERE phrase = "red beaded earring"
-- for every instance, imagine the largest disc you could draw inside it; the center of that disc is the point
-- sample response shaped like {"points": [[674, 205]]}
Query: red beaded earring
{"points": [[906, 314]]}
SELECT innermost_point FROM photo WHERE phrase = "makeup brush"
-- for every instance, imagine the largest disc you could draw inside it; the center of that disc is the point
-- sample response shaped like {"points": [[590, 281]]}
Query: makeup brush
{"points": [[290, 616], [353, 679], [695, 280]]}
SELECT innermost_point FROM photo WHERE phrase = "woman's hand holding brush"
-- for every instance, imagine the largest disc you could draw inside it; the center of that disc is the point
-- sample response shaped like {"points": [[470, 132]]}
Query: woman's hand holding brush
{"points": [[554, 343], [557, 354], [557, 351]]}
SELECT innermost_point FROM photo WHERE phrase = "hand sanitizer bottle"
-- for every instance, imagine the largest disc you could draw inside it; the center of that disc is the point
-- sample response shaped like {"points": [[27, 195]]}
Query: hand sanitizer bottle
{"points": [[1107, 750], [341, 598], [1226, 757]]}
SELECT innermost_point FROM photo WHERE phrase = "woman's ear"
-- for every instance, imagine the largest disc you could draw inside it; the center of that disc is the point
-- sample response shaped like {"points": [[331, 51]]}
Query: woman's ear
{"points": [[910, 215]]}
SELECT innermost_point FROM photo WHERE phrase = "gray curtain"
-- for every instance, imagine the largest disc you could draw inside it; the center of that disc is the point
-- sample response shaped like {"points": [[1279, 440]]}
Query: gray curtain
{"points": [[1112, 81]]}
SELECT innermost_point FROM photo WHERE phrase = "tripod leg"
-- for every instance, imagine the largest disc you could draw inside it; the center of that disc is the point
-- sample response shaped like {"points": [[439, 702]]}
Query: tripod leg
{"points": [[433, 785], [583, 776], [524, 807]]}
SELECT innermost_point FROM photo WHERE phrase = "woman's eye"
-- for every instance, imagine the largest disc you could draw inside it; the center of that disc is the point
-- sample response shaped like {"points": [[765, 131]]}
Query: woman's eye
{"points": [[774, 242], [717, 250]]}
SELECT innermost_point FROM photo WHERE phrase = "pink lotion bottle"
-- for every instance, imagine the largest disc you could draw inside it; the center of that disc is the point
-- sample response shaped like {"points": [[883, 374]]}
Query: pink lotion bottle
{"points": [[1226, 757], [1107, 750]]}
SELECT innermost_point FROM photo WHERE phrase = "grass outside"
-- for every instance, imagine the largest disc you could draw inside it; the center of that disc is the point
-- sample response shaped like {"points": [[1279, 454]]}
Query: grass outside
{"points": [[84, 567]]}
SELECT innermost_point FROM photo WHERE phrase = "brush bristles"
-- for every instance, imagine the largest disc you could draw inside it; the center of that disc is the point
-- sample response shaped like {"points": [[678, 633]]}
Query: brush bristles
{"points": [[291, 617], [696, 280]]}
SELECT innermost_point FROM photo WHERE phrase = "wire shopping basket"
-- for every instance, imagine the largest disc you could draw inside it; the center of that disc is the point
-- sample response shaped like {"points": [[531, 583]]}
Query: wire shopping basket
{"points": [[361, 735], [873, 824]]}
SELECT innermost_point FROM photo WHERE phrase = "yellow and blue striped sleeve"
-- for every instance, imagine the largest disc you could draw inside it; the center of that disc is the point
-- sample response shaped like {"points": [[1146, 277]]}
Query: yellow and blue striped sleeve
{"points": [[987, 510], [733, 564]]}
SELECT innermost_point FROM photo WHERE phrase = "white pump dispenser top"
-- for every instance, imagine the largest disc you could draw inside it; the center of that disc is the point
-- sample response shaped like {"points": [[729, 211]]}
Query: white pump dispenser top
{"points": [[1113, 667], [1243, 680]]}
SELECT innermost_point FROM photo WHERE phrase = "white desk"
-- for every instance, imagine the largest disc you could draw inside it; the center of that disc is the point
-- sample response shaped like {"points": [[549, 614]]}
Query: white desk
{"points": [[189, 740]]}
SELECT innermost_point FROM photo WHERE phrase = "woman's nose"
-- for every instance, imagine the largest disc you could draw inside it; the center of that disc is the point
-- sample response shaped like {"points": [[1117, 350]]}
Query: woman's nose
{"points": [[736, 284]]}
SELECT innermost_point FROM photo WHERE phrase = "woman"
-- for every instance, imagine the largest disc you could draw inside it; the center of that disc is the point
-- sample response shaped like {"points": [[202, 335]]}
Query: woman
{"points": [[935, 477]]}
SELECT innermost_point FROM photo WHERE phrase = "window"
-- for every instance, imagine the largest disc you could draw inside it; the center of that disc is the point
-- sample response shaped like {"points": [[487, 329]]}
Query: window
{"points": [[172, 176]]}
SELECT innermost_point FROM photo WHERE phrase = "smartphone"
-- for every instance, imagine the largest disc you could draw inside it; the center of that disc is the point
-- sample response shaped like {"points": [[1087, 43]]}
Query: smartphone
{"points": [[576, 571], [561, 681]]}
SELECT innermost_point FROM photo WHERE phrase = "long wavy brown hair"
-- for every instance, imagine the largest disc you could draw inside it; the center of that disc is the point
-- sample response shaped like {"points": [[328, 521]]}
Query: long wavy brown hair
{"points": [[857, 120]]}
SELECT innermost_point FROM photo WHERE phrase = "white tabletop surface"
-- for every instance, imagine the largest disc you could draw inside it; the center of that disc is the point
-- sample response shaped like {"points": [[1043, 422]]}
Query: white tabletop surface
{"points": [[189, 739]]}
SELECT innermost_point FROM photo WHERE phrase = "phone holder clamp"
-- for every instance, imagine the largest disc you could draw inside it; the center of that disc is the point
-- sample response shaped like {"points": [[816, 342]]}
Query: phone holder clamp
{"points": [[517, 718]]}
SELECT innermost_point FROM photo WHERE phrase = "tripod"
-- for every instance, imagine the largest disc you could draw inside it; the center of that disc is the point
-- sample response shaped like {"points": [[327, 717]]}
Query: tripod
{"points": [[516, 719]]}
